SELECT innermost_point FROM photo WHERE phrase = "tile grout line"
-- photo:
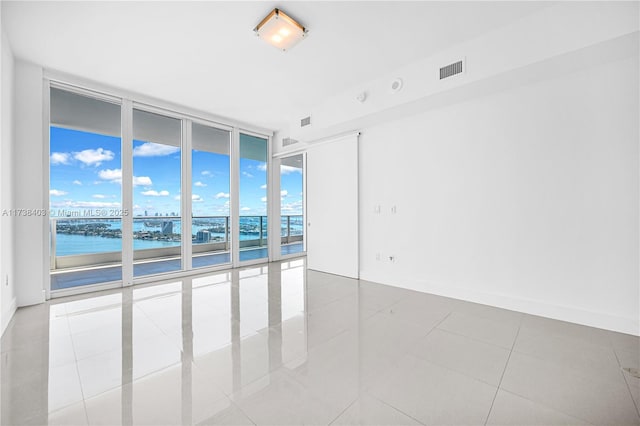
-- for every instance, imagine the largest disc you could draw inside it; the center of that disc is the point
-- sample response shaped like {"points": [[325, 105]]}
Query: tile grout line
{"points": [[73, 344], [234, 404], [394, 408], [475, 339], [626, 381], [343, 411], [506, 365]]}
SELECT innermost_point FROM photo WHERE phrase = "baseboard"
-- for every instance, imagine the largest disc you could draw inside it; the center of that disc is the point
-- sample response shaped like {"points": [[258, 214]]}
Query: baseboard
{"points": [[528, 306], [6, 316]]}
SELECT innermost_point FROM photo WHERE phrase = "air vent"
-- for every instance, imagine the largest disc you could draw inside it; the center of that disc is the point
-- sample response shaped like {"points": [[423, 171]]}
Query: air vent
{"points": [[288, 141], [305, 121], [451, 70]]}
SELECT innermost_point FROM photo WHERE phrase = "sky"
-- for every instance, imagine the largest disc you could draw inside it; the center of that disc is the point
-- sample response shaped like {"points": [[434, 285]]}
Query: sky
{"points": [[86, 173]]}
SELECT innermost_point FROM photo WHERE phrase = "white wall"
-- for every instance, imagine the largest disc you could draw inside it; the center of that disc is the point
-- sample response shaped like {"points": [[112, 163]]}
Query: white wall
{"points": [[7, 277], [525, 198], [29, 175], [553, 31]]}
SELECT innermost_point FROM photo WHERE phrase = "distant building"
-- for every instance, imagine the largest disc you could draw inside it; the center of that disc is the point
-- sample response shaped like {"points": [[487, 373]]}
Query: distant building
{"points": [[145, 213], [167, 228], [203, 237]]}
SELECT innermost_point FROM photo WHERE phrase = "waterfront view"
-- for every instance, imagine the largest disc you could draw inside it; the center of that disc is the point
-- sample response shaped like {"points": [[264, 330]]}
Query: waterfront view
{"points": [[84, 236], [88, 168]]}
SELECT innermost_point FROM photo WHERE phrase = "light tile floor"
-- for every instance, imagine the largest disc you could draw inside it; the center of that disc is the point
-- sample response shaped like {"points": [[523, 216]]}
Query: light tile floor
{"points": [[281, 345]]}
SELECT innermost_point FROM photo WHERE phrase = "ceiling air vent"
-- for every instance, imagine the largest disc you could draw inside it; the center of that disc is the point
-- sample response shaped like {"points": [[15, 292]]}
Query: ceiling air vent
{"points": [[451, 70], [288, 141], [305, 121]]}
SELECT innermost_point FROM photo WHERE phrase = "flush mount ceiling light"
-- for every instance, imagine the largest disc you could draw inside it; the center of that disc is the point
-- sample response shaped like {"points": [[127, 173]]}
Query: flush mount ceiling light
{"points": [[280, 30]]}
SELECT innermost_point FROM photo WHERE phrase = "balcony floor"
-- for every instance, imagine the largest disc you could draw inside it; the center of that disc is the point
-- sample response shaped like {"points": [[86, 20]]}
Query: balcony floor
{"points": [[88, 276]]}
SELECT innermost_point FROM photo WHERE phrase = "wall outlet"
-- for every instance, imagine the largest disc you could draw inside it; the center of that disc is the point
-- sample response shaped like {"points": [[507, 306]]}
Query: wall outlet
{"points": [[392, 258]]}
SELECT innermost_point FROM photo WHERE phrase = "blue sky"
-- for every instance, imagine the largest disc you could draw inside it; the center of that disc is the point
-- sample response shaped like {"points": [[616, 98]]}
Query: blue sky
{"points": [[86, 174]]}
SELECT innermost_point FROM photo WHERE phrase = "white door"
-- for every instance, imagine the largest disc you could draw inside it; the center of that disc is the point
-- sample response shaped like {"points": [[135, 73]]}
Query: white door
{"points": [[332, 207]]}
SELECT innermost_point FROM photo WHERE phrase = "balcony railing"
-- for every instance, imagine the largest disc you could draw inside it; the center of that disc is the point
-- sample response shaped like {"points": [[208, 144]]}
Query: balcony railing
{"points": [[104, 245]]}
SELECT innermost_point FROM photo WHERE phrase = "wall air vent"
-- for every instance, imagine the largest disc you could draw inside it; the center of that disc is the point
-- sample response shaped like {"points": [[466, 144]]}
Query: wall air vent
{"points": [[451, 70], [305, 121], [288, 141]]}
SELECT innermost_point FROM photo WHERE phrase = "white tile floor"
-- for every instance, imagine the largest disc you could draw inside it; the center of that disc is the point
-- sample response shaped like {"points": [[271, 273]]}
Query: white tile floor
{"points": [[282, 345]]}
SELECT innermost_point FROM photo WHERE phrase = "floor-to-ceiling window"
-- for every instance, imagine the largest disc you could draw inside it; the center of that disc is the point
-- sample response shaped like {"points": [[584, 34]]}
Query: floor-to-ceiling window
{"points": [[210, 196], [137, 191], [253, 197], [157, 225], [292, 205], [84, 190]]}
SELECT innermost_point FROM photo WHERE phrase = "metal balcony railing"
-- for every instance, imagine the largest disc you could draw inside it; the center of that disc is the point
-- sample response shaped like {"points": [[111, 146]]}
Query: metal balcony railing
{"points": [[213, 236]]}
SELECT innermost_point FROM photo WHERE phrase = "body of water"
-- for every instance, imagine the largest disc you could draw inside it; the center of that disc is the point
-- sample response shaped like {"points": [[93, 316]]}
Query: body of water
{"points": [[72, 244]]}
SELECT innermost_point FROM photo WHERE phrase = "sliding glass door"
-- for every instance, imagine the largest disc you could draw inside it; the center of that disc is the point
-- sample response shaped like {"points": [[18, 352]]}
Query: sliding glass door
{"points": [[157, 230], [210, 196], [253, 197], [292, 205], [136, 192], [85, 207]]}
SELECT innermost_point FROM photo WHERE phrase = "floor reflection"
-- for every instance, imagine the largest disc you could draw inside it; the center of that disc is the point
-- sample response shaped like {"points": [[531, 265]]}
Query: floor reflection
{"points": [[169, 353], [283, 345]]}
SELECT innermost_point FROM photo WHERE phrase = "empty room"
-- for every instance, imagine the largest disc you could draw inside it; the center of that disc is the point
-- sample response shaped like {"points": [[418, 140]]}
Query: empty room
{"points": [[320, 213]]}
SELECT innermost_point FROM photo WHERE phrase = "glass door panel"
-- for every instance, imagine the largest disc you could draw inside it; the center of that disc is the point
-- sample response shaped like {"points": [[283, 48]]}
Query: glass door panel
{"points": [[291, 205], [253, 198], [156, 194], [84, 190], [210, 161]]}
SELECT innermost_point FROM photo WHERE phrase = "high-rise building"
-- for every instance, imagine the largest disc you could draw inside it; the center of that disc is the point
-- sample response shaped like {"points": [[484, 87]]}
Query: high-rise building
{"points": [[203, 237], [167, 228]]}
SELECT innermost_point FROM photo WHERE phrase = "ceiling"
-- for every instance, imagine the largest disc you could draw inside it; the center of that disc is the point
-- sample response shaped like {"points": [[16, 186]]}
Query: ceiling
{"points": [[205, 55]]}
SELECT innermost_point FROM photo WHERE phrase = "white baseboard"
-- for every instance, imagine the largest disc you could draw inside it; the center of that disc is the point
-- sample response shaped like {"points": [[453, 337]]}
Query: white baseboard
{"points": [[6, 316], [528, 306]]}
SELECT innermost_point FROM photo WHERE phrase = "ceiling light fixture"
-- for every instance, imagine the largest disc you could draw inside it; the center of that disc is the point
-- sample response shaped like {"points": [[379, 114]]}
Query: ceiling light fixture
{"points": [[280, 30]]}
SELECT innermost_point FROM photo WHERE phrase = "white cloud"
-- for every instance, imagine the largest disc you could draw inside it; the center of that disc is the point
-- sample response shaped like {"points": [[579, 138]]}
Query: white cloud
{"points": [[100, 196], [245, 209], [57, 192], [263, 199], [93, 157], [196, 198], [262, 167], [263, 186], [222, 195], [285, 170], [76, 182], [60, 158], [284, 193], [154, 193], [177, 198], [200, 184], [142, 181], [206, 173], [247, 174], [150, 149], [292, 208], [84, 204], [115, 175]]}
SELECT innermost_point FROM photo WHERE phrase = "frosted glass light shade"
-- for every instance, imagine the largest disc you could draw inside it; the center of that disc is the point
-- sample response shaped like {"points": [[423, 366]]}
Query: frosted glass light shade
{"points": [[280, 30]]}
